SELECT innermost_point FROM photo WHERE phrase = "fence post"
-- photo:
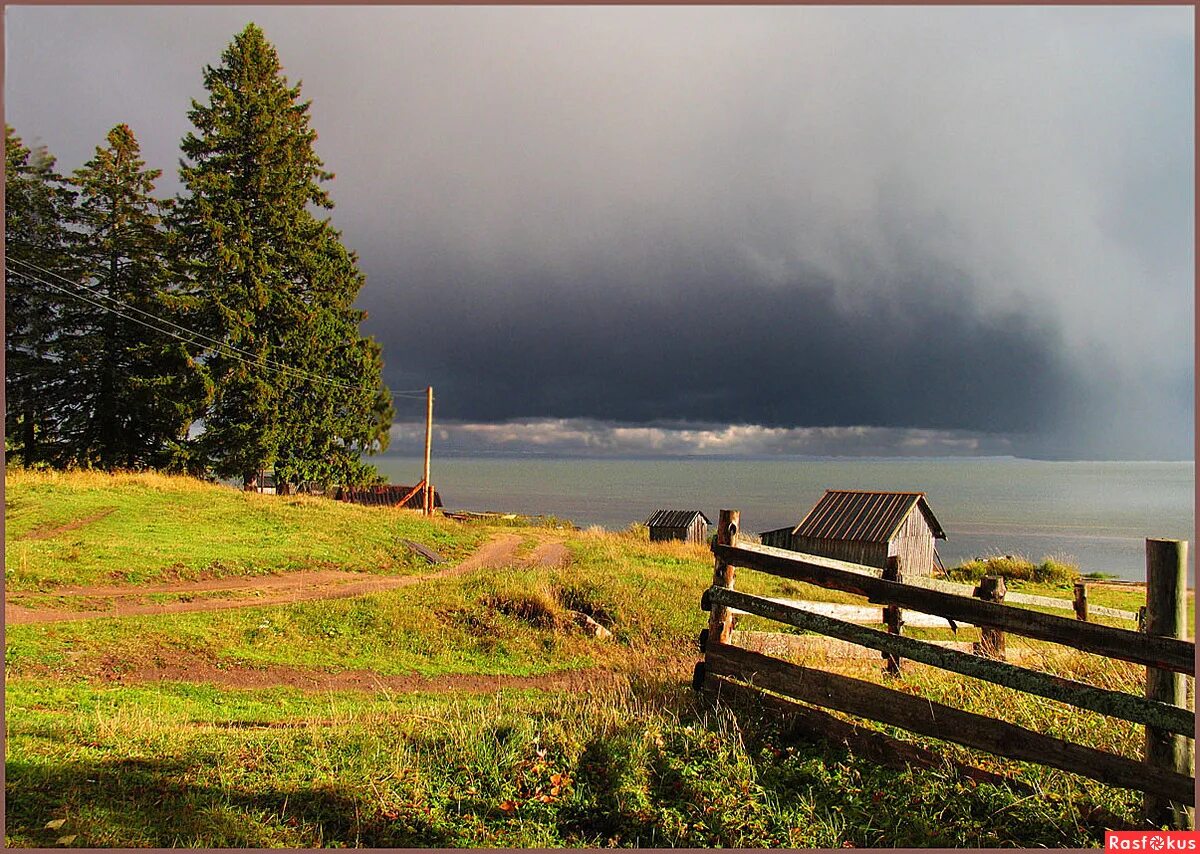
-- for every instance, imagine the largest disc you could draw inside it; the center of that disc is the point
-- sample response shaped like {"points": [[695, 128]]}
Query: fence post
{"points": [[1081, 601], [891, 614], [991, 641], [720, 618], [1166, 616]]}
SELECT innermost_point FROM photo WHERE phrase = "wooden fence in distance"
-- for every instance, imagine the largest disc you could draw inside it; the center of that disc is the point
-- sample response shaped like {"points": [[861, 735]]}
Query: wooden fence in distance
{"points": [[1165, 776], [387, 495]]}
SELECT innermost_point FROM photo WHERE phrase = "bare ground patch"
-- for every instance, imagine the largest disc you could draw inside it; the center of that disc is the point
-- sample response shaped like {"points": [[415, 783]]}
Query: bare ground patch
{"points": [[212, 594], [551, 553]]}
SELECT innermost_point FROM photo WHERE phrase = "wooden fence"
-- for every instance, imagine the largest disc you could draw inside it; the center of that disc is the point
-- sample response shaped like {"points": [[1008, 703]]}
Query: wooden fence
{"points": [[388, 495], [731, 673]]}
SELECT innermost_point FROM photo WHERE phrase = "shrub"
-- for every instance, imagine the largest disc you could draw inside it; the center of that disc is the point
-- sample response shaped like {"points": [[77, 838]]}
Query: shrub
{"points": [[1017, 568], [1056, 571]]}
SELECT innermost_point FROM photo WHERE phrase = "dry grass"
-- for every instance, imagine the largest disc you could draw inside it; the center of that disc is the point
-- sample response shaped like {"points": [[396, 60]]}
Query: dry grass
{"points": [[76, 479], [536, 606]]}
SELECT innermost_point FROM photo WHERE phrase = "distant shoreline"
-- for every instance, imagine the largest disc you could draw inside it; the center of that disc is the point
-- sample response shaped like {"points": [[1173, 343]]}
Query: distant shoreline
{"points": [[551, 457], [1094, 514]]}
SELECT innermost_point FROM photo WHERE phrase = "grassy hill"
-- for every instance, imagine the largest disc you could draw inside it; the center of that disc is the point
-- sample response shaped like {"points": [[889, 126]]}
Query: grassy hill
{"points": [[463, 710], [82, 528]]}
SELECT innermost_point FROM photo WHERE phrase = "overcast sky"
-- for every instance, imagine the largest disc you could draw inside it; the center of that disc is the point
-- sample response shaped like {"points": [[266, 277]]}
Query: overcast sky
{"points": [[721, 230]]}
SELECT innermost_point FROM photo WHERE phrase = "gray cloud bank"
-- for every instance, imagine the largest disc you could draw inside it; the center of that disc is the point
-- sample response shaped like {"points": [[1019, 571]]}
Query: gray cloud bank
{"points": [[593, 438], [971, 227]]}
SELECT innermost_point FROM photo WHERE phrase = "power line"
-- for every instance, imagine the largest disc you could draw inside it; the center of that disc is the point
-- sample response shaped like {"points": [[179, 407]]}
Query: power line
{"points": [[195, 335], [167, 332], [413, 393], [233, 351], [418, 392]]}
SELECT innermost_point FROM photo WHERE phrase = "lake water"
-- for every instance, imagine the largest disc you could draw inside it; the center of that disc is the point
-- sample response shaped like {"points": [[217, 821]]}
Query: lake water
{"points": [[1097, 513]]}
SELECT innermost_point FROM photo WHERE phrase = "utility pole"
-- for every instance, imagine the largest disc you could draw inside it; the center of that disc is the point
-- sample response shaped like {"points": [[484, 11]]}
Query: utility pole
{"points": [[428, 445]]}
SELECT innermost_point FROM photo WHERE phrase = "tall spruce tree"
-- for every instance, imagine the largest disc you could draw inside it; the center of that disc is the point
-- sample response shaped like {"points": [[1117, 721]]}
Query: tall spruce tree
{"points": [[327, 427], [296, 387], [38, 209], [137, 391]]}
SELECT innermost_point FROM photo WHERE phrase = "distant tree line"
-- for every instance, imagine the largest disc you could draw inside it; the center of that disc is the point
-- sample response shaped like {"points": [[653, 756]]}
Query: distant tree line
{"points": [[213, 333]]}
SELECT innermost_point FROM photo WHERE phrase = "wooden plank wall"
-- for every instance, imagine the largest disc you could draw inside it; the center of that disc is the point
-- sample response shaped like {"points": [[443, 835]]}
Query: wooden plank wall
{"points": [[913, 544], [868, 554]]}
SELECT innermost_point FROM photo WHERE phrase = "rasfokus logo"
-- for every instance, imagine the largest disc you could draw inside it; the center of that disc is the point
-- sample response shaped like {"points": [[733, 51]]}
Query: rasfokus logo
{"points": [[1151, 840]]}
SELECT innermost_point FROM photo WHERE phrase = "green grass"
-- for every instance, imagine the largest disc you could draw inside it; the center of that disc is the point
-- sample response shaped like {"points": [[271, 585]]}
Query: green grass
{"points": [[453, 625], [642, 764], [150, 527], [461, 624]]}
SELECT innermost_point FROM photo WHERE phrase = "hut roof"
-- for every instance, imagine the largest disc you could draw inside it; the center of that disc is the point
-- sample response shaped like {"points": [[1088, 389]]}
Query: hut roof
{"points": [[675, 518], [873, 517]]}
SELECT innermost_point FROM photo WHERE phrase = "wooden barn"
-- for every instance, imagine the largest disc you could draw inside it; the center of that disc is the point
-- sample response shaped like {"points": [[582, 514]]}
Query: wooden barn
{"points": [[867, 528], [688, 525]]}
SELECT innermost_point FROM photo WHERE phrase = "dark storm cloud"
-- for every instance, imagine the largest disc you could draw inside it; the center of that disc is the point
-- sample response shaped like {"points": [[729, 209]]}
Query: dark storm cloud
{"points": [[729, 348], [971, 221]]}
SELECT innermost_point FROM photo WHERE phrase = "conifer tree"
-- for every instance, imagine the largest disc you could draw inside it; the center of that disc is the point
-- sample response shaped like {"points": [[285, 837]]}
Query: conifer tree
{"points": [[296, 385], [37, 213], [136, 390]]}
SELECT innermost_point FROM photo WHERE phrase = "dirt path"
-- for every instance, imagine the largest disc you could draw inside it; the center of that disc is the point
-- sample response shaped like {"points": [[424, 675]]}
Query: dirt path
{"points": [[551, 554], [272, 589], [161, 665], [186, 668], [47, 533]]}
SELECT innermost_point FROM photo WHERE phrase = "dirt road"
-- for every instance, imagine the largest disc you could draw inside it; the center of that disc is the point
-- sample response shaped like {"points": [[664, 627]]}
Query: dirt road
{"points": [[124, 600]]}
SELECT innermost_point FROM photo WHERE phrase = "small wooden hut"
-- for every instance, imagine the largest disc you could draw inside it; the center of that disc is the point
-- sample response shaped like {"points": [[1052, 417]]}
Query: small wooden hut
{"points": [[867, 528], [688, 525]]}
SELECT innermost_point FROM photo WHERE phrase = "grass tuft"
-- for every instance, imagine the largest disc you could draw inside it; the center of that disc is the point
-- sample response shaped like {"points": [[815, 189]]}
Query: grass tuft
{"points": [[536, 606]]}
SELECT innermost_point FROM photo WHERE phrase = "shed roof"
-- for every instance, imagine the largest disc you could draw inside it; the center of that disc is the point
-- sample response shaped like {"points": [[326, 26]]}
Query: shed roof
{"points": [[675, 518], [873, 517]]}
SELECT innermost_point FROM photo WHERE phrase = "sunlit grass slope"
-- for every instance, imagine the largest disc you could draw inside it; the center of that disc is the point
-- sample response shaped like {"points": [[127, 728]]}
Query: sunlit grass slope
{"points": [[84, 528]]}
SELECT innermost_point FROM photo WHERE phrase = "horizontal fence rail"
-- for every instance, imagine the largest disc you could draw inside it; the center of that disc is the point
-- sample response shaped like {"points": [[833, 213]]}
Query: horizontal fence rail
{"points": [[925, 717], [947, 586], [868, 743], [1160, 652], [865, 614], [1112, 703], [1013, 596]]}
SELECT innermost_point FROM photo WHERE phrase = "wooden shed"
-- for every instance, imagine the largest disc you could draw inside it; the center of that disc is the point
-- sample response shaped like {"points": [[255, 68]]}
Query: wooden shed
{"points": [[688, 525], [867, 528]]}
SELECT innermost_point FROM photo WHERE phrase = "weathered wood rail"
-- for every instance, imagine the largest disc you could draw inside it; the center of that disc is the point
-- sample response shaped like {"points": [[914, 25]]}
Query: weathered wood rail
{"points": [[730, 671], [1032, 599], [1077, 604], [1160, 652], [1079, 694]]}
